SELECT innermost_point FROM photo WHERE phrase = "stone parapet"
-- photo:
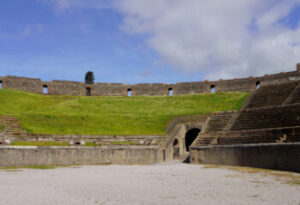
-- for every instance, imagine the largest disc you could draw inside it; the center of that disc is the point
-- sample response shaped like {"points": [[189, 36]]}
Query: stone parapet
{"points": [[53, 156], [58, 87]]}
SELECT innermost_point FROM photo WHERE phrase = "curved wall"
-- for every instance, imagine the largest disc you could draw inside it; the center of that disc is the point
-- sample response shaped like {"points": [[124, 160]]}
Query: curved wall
{"points": [[281, 156], [57, 87]]}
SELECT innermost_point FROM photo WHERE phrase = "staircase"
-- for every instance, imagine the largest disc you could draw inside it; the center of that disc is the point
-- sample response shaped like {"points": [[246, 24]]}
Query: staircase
{"points": [[218, 122], [13, 128], [295, 98]]}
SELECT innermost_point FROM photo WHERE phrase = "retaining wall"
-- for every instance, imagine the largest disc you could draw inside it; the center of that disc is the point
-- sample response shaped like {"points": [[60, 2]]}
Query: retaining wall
{"points": [[102, 139], [283, 156], [27, 156], [57, 87]]}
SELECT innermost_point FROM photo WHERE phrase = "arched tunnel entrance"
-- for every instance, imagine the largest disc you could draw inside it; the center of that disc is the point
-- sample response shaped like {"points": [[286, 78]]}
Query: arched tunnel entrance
{"points": [[176, 148], [190, 136]]}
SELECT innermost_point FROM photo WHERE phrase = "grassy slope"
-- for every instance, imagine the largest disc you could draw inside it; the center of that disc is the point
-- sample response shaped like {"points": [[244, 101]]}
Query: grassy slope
{"points": [[1, 123], [109, 115]]}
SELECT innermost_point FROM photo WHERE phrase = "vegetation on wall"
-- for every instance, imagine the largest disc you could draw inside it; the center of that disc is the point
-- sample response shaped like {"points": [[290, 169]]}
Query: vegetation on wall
{"points": [[142, 115], [1, 127], [39, 143]]}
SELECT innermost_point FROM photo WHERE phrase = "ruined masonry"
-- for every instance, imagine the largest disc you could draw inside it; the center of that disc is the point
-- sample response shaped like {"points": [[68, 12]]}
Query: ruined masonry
{"points": [[265, 133]]}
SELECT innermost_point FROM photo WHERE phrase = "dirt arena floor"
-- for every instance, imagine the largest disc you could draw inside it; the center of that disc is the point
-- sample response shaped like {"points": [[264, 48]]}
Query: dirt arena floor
{"points": [[167, 183]]}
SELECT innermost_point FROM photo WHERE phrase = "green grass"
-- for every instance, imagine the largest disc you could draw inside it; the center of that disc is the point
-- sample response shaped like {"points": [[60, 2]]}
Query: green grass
{"points": [[123, 143], [92, 144], [39, 143], [29, 167], [1, 124], [109, 115], [1, 127]]}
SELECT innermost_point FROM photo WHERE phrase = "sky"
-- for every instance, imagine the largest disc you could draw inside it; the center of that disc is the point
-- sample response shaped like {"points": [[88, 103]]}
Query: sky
{"points": [[148, 41]]}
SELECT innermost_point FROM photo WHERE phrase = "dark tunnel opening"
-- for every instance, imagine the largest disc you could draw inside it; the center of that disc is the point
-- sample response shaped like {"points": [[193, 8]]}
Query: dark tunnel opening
{"points": [[190, 136]]}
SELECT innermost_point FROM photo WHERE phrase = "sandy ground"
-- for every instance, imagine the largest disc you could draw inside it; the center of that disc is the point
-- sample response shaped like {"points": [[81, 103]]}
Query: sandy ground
{"points": [[167, 183]]}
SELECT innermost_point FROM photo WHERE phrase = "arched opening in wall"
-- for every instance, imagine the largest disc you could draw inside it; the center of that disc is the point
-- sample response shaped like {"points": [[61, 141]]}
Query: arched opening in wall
{"points": [[257, 85], [212, 89], [88, 91], [129, 92], [77, 143], [45, 89], [176, 152], [0, 84], [170, 91], [190, 136]]}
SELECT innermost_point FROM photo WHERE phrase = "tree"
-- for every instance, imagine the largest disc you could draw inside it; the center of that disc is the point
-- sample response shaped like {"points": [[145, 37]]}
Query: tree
{"points": [[89, 77]]}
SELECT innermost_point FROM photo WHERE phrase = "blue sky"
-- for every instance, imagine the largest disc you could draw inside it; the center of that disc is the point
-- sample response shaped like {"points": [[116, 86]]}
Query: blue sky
{"points": [[137, 41]]}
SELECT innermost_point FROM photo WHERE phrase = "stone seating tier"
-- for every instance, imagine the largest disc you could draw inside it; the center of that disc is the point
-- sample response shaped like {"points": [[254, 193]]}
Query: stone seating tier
{"points": [[218, 122], [272, 95], [247, 140], [277, 135], [296, 96], [202, 141], [13, 128], [206, 141], [270, 117]]}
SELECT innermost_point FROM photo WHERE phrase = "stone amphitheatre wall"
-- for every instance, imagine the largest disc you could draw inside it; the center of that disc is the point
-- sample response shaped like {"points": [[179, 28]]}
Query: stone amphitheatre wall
{"points": [[281, 156], [56, 87], [53, 156]]}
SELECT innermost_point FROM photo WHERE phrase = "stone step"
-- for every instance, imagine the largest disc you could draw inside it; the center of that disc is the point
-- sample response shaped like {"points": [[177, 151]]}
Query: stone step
{"points": [[12, 127], [218, 121], [272, 95], [283, 116]]}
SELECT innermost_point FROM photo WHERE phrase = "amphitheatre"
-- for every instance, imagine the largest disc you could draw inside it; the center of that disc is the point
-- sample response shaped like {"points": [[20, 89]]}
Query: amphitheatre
{"points": [[248, 122]]}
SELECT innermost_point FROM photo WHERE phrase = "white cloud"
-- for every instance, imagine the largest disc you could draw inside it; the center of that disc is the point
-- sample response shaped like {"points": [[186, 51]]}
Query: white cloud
{"points": [[225, 39]]}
